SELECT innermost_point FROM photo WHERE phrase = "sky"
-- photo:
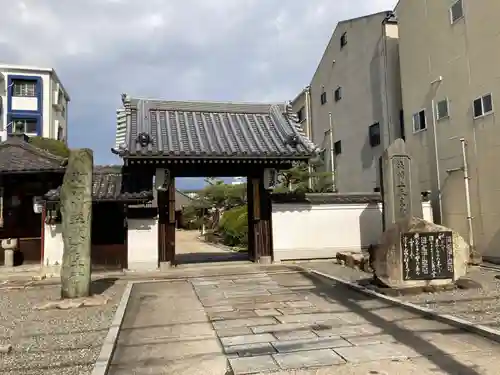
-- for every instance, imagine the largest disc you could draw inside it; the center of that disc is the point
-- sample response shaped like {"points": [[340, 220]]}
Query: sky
{"points": [[221, 50]]}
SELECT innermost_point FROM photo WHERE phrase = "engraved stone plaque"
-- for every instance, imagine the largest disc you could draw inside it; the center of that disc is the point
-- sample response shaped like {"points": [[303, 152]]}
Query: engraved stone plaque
{"points": [[427, 256]]}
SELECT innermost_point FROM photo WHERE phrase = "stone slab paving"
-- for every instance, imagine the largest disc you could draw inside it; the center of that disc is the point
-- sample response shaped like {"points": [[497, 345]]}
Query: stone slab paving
{"points": [[285, 323], [303, 324], [166, 331]]}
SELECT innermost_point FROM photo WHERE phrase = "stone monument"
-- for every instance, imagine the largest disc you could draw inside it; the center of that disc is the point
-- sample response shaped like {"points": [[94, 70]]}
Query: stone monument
{"points": [[412, 251], [76, 210], [415, 253], [399, 184]]}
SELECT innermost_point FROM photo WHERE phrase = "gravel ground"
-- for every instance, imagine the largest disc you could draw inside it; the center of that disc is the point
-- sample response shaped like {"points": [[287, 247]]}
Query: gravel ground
{"points": [[479, 306], [52, 341]]}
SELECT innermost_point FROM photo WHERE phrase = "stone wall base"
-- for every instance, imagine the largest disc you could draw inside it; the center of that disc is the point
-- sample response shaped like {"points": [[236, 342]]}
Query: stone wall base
{"points": [[265, 260]]}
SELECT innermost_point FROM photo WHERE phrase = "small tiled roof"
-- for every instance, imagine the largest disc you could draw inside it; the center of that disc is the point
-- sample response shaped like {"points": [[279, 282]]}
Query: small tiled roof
{"points": [[210, 130], [107, 186], [19, 156], [332, 198], [327, 198], [181, 200]]}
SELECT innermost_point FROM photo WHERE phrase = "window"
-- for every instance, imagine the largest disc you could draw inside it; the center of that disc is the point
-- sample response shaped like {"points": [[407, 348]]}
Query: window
{"points": [[343, 40], [374, 134], [337, 147], [323, 98], [300, 114], [338, 94], [483, 106], [442, 110], [24, 126], [419, 121], [456, 11], [60, 133], [23, 87]]}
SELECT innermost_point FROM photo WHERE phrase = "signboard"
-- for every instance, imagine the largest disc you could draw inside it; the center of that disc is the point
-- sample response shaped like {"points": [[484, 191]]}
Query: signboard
{"points": [[427, 256]]}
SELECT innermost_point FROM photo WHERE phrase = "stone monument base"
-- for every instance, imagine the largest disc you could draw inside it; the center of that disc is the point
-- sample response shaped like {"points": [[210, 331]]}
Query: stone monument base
{"points": [[392, 268]]}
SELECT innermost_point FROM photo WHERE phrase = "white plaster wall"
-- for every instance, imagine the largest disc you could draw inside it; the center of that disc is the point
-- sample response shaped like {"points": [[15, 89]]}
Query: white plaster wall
{"points": [[53, 245], [142, 244], [24, 103], [302, 231], [58, 118]]}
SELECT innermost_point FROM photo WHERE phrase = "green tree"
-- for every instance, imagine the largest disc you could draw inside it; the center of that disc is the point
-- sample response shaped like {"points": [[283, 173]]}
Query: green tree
{"points": [[297, 178], [53, 146], [223, 196]]}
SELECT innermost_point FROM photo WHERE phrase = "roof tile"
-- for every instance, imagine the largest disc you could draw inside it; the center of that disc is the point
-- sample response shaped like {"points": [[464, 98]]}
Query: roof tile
{"points": [[107, 186], [211, 129], [17, 155]]}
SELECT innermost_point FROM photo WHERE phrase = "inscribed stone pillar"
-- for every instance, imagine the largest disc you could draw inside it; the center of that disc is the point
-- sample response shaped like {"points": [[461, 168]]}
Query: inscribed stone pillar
{"points": [[76, 210], [400, 188]]}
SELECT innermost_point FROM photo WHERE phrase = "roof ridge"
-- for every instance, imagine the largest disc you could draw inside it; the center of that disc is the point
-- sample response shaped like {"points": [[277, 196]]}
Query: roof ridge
{"points": [[294, 120], [135, 99]]}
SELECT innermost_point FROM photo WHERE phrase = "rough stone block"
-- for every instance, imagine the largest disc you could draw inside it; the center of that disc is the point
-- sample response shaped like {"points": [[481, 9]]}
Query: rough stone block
{"points": [[370, 340], [267, 312], [308, 359], [246, 339], [377, 352], [309, 344], [295, 335], [253, 365], [278, 327], [244, 322], [246, 350], [388, 259], [237, 331]]}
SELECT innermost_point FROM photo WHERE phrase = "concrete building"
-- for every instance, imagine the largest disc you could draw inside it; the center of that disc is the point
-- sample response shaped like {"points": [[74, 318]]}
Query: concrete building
{"points": [[357, 81], [32, 101], [450, 69]]}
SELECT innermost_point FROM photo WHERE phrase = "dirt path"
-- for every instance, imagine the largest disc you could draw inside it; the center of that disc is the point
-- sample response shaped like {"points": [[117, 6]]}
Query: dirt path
{"points": [[189, 248]]}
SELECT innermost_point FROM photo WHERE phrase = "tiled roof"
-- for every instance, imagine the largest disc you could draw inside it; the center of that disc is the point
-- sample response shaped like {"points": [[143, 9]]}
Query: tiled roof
{"points": [[18, 156], [107, 186], [210, 130], [332, 198], [182, 200], [327, 198]]}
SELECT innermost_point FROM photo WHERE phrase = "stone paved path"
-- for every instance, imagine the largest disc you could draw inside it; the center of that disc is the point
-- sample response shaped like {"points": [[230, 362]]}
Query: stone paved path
{"points": [[286, 323]]}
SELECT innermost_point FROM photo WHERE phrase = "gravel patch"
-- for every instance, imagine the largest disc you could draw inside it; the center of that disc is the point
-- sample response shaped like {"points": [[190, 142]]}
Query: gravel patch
{"points": [[52, 341], [477, 306]]}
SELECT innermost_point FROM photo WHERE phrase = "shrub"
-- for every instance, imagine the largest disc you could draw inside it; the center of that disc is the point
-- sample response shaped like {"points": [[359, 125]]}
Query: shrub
{"points": [[233, 226]]}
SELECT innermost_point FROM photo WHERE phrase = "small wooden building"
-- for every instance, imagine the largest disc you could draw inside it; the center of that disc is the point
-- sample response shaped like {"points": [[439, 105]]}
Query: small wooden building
{"points": [[110, 201], [26, 174]]}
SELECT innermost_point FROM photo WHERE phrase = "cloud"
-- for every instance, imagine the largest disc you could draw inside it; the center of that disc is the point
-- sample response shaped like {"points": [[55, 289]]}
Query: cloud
{"points": [[239, 50]]}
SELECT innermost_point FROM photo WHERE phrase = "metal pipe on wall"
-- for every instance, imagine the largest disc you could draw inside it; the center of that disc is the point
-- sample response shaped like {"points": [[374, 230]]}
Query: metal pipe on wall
{"points": [[436, 153], [309, 128], [332, 154], [474, 256]]}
